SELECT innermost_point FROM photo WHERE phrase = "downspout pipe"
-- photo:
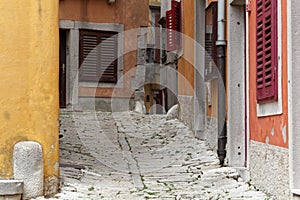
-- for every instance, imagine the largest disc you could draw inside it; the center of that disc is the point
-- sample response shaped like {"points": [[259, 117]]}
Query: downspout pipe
{"points": [[221, 44]]}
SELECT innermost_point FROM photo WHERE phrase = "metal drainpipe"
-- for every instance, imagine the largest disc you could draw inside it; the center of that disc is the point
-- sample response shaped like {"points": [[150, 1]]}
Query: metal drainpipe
{"points": [[221, 44]]}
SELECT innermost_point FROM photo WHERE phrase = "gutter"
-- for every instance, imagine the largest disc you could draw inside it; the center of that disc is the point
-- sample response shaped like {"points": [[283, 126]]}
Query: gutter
{"points": [[221, 44]]}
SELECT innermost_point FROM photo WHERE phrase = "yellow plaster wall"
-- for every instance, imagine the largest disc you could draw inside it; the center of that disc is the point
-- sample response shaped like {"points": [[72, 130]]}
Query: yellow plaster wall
{"points": [[29, 80]]}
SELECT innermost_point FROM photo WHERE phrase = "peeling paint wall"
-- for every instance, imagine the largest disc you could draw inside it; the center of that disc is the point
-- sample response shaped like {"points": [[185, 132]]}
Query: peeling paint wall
{"points": [[269, 129], [269, 138], [29, 81]]}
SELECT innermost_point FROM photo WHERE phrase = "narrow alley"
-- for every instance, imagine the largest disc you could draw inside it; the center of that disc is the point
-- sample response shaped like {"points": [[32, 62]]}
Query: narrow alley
{"points": [[127, 155], [87, 88]]}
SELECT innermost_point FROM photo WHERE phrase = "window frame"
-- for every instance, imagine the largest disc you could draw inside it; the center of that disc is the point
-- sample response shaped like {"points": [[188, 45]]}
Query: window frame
{"points": [[271, 108]]}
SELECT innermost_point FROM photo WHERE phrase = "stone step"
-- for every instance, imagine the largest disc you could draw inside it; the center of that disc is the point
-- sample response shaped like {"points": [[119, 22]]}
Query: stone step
{"points": [[11, 189]]}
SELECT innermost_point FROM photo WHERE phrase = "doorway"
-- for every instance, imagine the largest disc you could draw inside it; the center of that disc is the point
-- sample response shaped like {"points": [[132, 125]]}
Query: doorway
{"points": [[62, 67]]}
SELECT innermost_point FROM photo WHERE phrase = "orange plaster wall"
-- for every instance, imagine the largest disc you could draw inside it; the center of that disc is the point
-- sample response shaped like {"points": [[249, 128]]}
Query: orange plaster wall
{"points": [[185, 64], [212, 109], [209, 1], [260, 128], [132, 13]]}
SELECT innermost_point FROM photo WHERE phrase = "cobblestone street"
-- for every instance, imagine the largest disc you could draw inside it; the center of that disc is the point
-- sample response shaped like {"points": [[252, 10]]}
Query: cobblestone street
{"points": [[133, 156]]}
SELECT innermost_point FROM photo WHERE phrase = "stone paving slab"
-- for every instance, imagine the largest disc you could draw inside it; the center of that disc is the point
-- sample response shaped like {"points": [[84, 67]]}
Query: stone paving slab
{"points": [[132, 156]]}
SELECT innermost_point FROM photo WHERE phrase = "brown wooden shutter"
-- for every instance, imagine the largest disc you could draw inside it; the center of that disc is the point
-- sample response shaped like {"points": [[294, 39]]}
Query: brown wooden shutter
{"points": [[108, 58], [98, 56], [88, 56], [266, 51], [173, 21]]}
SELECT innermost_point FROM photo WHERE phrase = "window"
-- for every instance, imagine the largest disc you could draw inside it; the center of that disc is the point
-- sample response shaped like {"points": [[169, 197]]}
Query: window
{"points": [[98, 56], [211, 31], [266, 51], [173, 25], [153, 47]]}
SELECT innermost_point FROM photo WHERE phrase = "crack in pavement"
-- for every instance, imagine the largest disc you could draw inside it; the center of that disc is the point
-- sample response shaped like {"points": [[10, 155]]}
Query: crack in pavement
{"points": [[131, 161]]}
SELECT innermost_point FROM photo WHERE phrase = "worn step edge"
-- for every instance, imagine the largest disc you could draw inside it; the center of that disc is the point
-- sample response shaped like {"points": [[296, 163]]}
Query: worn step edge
{"points": [[11, 187]]}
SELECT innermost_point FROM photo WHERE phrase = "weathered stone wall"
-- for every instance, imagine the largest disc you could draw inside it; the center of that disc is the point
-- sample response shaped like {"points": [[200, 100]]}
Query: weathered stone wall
{"points": [[269, 169], [186, 114], [211, 132]]}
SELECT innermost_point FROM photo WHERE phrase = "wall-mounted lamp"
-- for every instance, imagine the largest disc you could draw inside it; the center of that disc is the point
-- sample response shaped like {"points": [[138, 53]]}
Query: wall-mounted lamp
{"points": [[111, 1]]}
